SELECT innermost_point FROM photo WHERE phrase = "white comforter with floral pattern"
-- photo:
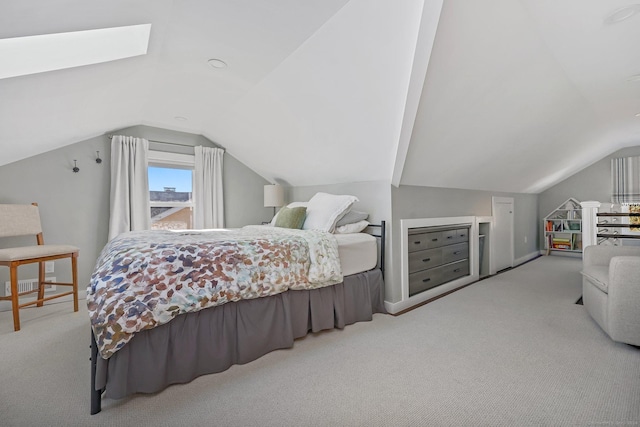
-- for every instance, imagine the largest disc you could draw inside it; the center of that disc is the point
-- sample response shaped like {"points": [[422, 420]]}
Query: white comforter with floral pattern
{"points": [[144, 279]]}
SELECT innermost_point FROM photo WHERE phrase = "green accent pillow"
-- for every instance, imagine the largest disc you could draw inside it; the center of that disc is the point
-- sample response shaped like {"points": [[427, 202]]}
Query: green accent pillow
{"points": [[291, 217]]}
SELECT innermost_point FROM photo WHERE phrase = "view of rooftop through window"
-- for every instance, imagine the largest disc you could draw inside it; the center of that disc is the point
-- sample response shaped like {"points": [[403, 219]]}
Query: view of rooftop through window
{"points": [[171, 198]]}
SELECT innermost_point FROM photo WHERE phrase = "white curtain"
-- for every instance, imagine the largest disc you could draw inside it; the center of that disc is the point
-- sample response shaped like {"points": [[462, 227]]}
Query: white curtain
{"points": [[625, 180], [129, 185], [207, 188]]}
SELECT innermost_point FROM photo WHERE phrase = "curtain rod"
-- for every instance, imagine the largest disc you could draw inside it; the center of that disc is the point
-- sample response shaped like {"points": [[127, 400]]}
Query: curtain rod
{"points": [[169, 143]]}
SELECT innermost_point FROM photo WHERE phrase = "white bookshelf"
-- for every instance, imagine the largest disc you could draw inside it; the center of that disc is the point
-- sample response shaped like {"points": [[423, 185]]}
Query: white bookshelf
{"points": [[563, 228]]}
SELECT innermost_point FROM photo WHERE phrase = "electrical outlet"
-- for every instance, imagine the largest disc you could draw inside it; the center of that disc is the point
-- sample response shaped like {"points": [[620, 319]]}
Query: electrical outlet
{"points": [[49, 266]]}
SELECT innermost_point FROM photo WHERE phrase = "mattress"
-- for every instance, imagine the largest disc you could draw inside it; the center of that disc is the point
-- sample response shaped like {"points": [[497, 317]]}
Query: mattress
{"points": [[358, 252]]}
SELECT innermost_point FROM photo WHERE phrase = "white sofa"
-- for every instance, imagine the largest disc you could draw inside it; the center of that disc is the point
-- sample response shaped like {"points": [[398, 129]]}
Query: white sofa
{"points": [[611, 290]]}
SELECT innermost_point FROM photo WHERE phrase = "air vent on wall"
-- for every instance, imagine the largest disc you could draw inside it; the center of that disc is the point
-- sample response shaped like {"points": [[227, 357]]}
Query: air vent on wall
{"points": [[29, 285]]}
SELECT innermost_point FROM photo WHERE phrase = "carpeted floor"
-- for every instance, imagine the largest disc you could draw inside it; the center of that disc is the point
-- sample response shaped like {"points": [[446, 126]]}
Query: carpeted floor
{"points": [[511, 350]]}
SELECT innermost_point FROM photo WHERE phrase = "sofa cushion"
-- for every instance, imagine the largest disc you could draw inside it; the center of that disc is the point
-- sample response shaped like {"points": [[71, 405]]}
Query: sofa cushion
{"points": [[598, 275]]}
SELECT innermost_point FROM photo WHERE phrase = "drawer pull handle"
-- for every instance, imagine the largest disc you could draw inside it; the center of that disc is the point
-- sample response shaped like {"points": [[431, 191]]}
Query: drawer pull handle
{"points": [[426, 260], [426, 280], [416, 243], [457, 270], [434, 240], [456, 252], [449, 237]]}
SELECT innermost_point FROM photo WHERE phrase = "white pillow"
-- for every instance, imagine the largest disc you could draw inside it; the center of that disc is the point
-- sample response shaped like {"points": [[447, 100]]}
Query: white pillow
{"points": [[354, 227], [324, 210], [351, 217], [290, 205]]}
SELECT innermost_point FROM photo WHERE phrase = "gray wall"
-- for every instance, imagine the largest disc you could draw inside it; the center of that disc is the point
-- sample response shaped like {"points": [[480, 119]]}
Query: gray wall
{"points": [[411, 202], [591, 183], [383, 201], [75, 206], [374, 196]]}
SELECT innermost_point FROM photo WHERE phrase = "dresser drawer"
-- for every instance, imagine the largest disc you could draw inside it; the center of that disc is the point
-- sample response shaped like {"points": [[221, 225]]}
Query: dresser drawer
{"points": [[455, 252], [450, 237], [428, 258], [454, 270], [461, 235], [457, 235], [423, 280], [436, 255], [418, 242]]}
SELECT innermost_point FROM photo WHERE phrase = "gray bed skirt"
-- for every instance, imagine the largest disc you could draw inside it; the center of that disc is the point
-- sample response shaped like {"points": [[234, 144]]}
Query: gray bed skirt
{"points": [[213, 339]]}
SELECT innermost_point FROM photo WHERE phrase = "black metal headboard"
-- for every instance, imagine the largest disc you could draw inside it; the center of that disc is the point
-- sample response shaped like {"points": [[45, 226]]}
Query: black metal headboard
{"points": [[382, 237]]}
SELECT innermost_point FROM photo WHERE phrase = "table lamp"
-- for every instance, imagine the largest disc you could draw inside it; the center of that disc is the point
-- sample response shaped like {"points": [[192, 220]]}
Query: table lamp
{"points": [[273, 196]]}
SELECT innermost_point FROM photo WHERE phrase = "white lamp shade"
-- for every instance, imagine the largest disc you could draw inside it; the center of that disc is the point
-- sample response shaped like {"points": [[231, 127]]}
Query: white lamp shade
{"points": [[273, 196]]}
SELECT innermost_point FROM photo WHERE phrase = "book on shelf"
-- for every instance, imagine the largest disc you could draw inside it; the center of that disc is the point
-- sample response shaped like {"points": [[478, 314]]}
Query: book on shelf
{"points": [[576, 242], [561, 243]]}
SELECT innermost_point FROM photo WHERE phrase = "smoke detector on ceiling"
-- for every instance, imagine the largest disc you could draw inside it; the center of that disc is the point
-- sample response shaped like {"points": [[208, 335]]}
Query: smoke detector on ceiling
{"points": [[217, 63], [622, 14]]}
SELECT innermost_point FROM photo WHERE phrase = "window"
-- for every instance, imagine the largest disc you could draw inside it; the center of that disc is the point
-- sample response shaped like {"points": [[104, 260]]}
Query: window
{"points": [[625, 180], [171, 191]]}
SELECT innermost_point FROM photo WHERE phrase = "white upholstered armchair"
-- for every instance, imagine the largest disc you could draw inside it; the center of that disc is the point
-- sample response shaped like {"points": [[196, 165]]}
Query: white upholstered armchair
{"points": [[611, 290]]}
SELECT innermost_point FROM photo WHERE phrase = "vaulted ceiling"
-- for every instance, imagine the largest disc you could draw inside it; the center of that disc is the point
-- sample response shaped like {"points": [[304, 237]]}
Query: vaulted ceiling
{"points": [[496, 95]]}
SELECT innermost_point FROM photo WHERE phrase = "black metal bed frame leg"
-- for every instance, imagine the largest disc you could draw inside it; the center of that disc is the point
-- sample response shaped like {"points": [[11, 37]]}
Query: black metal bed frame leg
{"points": [[96, 395]]}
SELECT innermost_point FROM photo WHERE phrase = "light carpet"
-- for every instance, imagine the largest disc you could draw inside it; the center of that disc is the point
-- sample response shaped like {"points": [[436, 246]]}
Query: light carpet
{"points": [[510, 350]]}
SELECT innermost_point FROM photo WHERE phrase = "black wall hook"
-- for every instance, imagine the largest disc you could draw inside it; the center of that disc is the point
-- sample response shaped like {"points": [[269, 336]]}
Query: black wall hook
{"points": [[75, 169], [98, 159]]}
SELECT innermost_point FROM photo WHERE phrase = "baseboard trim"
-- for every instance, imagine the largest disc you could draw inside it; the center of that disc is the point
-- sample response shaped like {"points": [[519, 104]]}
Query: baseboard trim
{"points": [[422, 298], [527, 258]]}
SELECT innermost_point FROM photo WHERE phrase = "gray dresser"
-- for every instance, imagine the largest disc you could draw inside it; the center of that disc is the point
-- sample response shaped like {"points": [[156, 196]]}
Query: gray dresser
{"points": [[437, 255]]}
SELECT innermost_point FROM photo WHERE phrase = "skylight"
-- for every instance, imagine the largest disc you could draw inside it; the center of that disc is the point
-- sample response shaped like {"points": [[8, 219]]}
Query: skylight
{"points": [[48, 52]]}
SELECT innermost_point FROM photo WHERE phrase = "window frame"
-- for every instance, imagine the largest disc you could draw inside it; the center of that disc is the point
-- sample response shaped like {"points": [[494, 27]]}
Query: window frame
{"points": [[170, 160]]}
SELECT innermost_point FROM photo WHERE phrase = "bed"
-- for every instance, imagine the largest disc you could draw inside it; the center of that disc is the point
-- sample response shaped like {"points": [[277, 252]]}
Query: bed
{"points": [[237, 331]]}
